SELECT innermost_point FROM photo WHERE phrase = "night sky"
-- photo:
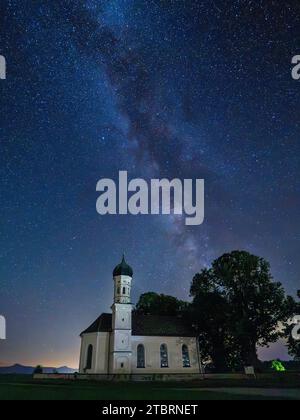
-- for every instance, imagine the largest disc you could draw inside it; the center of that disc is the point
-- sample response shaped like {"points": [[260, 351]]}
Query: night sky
{"points": [[185, 89]]}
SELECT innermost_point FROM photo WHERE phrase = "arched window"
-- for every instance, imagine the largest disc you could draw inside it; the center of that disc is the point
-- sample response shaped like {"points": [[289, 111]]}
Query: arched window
{"points": [[89, 358], [140, 356], [185, 356], [164, 362]]}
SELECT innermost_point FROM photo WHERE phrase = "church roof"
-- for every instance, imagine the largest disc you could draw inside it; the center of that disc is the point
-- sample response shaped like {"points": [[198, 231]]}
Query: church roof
{"points": [[123, 269], [146, 325], [102, 324]]}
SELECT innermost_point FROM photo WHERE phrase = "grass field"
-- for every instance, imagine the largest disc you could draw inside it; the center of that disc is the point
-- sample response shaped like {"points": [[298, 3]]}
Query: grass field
{"points": [[17, 387]]}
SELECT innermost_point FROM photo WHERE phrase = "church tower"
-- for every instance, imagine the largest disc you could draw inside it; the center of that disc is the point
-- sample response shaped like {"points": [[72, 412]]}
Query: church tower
{"points": [[120, 348]]}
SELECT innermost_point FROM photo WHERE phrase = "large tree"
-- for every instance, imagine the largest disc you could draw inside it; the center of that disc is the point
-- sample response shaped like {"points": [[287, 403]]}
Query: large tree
{"points": [[160, 304], [210, 315], [253, 304], [258, 304]]}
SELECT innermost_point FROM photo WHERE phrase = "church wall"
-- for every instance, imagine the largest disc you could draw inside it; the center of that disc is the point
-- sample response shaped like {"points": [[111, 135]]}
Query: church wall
{"points": [[152, 354], [100, 343]]}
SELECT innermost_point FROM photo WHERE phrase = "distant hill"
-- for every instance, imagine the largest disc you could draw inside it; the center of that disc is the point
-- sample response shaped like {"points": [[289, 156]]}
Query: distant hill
{"points": [[28, 370]]}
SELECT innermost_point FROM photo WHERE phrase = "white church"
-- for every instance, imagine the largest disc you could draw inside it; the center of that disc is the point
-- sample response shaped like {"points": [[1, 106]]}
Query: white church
{"points": [[126, 342]]}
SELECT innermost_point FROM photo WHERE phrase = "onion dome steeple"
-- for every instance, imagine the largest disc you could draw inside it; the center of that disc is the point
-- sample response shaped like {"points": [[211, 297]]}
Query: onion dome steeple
{"points": [[123, 269]]}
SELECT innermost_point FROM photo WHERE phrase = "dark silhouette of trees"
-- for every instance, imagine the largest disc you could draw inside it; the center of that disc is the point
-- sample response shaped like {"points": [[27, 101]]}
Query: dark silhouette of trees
{"points": [[244, 308], [210, 316], [158, 304], [38, 369]]}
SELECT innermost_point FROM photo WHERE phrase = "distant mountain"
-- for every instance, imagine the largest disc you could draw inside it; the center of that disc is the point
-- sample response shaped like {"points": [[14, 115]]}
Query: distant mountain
{"points": [[28, 370]]}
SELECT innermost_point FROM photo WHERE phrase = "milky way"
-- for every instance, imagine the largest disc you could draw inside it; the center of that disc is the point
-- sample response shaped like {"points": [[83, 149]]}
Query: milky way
{"points": [[161, 89]]}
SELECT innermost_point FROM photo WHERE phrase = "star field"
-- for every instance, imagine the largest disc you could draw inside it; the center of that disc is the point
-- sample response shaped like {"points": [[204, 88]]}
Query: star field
{"points": [[171, 88]]}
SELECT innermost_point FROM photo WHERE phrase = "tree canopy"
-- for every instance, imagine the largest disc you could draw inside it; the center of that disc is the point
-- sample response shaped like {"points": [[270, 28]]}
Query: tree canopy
{"points": [[245, 307], [159, 304]]}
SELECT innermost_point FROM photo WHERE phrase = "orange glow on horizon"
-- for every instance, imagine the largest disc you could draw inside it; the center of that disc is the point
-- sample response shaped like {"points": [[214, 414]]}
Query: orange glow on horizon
{"points": [[70, 361]]}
